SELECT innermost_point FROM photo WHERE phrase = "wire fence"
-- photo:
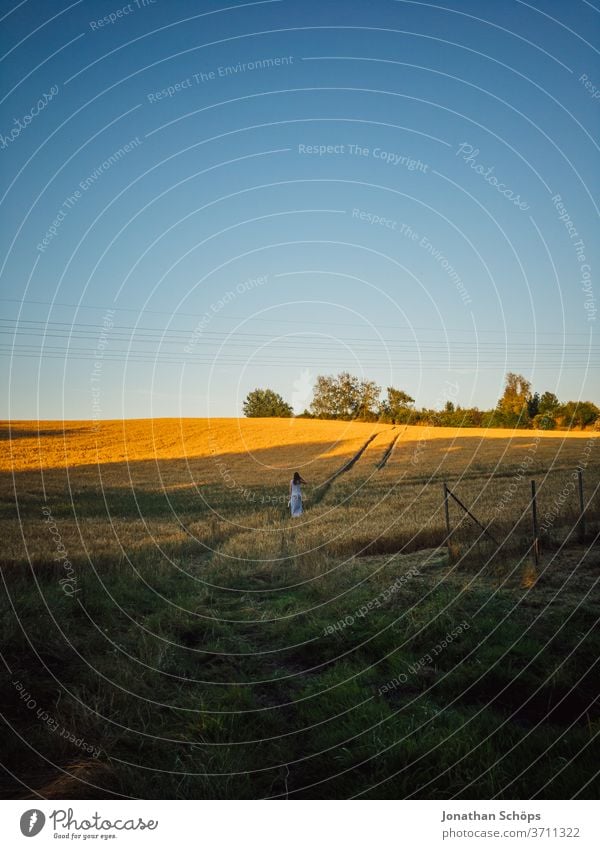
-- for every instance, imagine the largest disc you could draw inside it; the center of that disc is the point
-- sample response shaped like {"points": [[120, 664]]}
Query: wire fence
{"points": [[558, 507]]}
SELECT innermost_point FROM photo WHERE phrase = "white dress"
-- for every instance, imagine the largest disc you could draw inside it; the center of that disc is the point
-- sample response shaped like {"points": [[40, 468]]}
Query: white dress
{"points": [[296, 499]]}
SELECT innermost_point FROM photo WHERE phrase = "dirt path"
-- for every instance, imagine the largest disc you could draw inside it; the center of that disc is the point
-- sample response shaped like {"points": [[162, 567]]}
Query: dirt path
{"points": [[389, 450], [322, 490]]}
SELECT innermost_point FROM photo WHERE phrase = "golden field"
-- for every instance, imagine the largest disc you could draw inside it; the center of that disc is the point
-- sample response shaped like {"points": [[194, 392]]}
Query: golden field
{"points": [[272, 444], [155, 485], [183, 449]]}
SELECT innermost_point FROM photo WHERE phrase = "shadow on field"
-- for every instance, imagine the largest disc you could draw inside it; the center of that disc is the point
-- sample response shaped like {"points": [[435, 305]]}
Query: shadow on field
{"points": [[11, 433], [239, 482]]}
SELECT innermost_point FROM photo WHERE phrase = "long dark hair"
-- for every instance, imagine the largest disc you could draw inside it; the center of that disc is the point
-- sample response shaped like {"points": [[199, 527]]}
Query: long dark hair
{"points": [[296, 478]]}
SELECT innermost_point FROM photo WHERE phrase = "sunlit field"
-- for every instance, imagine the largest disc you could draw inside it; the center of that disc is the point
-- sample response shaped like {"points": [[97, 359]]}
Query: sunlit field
{"points": [[192, 640]]}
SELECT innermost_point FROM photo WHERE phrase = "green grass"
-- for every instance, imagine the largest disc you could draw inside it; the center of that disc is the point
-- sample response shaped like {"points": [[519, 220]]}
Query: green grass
{"points": [[191, 691]]}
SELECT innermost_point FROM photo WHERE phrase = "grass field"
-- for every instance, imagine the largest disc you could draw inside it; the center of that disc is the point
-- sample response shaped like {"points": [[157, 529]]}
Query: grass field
{"points": [[169, 632]]}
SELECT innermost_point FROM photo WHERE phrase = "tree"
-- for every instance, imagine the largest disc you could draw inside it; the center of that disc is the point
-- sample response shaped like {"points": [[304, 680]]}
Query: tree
{"points": [[549, 403], [344, 397], [397, 406], [469, 417], [577, 414], [368, 400], [264, 403], [533, 405], [548, 408], [327, 397], [513, 406], [544, 421]]}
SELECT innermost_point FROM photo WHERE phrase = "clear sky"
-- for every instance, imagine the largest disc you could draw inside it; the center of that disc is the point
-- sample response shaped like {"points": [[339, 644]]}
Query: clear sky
{"points": [[200, 198]]}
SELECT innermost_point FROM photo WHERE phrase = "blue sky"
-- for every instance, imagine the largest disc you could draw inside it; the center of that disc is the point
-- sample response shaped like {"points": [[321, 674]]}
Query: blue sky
{"points": [[253, 194]]}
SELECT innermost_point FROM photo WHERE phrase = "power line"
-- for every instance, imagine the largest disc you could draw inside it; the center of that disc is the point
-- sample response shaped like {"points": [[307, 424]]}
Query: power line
{"points": [[170, 336], [215, 317], [367, 355], [220, 362]]}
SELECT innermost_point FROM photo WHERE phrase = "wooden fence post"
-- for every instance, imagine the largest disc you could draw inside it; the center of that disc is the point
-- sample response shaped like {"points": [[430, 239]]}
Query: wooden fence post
{"points": [[535, 524], [447, 514], [581, 507]]}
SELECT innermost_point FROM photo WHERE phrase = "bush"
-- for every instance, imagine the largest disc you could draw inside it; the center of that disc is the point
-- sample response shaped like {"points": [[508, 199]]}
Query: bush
{"points": [[264, 403]]}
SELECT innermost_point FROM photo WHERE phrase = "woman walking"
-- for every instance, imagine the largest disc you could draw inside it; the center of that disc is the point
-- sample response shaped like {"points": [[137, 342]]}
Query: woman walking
{"points": [[296, 494]]}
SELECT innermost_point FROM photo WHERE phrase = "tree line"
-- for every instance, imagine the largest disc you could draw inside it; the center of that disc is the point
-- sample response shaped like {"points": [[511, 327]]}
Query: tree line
{"points": [[349, 398]]}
